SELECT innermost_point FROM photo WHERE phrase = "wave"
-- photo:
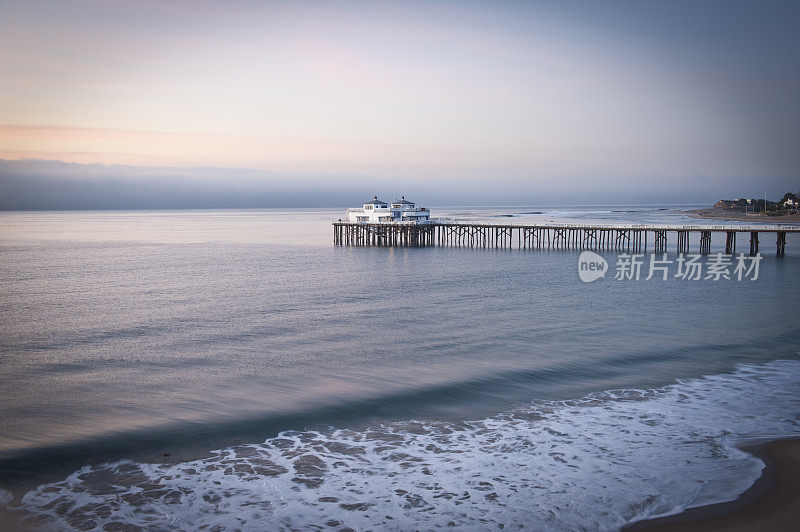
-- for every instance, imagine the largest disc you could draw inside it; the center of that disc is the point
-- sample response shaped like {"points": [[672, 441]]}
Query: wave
{"points": [[578, 213], [516, 214], [599, 462]]}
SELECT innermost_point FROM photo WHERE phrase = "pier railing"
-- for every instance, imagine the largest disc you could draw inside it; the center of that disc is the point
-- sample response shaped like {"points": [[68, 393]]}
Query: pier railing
{"points": [[618, 237]]}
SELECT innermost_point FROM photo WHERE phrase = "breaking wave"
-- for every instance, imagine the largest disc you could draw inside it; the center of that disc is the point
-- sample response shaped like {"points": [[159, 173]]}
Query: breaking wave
{"points": [[599, 462]]}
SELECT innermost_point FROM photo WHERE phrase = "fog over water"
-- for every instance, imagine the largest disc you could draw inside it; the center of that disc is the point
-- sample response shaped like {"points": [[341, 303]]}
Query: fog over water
{"points": [[55, 185]]}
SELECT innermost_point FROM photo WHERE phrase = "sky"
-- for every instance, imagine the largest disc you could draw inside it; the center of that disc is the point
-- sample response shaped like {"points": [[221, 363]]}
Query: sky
{"points": [[457, 101]]}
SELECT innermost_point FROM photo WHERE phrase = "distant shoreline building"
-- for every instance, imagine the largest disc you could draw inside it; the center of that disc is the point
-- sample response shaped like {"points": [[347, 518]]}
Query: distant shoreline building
{"points": [[726, 204], [790, 201], [400, 210]]}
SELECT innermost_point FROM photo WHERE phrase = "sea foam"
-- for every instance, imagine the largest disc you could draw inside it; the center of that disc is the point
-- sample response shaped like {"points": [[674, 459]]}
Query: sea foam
{"points": [[599, 462]]}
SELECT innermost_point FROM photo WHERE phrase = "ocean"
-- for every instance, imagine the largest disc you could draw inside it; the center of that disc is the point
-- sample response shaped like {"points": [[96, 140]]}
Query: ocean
{"points": [[233, 369]]}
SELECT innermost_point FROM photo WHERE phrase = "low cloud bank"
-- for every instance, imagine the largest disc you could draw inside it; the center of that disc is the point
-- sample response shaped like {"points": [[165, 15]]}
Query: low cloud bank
{"points": [[55, 185]]}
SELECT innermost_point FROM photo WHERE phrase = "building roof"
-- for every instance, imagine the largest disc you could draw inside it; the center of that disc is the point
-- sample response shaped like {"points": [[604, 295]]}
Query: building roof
{"points": [[375, 201], [403, 201]]}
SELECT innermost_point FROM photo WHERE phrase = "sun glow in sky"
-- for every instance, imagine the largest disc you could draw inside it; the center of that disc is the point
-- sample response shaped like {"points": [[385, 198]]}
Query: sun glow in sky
{"points": [[534, 91]]}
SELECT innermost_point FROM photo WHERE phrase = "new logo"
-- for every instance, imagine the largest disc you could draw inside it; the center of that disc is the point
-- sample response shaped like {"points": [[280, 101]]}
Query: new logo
{"points": [[591, 266]]}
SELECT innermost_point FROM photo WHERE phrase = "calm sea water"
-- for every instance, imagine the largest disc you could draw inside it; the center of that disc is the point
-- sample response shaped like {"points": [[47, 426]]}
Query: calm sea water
{"points": [[234, 369]]}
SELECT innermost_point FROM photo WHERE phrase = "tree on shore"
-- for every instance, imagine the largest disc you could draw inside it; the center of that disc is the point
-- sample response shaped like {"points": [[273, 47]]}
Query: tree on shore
{"points": [[759, 205], [791, 196]]}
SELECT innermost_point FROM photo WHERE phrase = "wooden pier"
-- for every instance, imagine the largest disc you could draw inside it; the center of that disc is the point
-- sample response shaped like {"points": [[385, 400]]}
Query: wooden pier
{"points": [[628, 238]]}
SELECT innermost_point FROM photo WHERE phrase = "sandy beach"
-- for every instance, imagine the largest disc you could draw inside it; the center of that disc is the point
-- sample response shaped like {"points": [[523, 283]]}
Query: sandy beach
{"points": [[10, 523], [719, 214], [772, 503]]}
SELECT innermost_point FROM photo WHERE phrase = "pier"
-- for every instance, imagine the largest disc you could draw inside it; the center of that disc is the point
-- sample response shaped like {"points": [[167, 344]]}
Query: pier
{"points": [[627, 238]]}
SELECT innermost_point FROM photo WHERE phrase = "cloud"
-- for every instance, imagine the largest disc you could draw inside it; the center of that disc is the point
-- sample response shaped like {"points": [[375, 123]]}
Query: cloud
{"points": [[30, 184]]}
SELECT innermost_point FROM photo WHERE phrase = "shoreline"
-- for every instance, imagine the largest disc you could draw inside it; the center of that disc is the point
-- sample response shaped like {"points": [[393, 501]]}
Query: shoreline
{"points": [[771, 503], [729, 215]]}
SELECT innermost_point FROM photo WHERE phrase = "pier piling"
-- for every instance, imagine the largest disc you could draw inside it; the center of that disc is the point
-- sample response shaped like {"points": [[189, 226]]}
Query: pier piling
{"points": [[730, 242], [753, 242]]}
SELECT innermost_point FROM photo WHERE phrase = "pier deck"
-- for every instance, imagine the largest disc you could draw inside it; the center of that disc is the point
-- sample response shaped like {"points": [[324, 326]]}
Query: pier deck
{"points": [[618, 237]]}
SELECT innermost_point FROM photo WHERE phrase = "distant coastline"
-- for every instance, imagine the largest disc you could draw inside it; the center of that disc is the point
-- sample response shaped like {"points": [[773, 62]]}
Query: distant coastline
{"points": [[720, 214]]}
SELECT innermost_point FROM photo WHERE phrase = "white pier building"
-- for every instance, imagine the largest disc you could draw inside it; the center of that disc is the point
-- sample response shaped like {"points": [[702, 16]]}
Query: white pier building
{"points": [[400, 210]]}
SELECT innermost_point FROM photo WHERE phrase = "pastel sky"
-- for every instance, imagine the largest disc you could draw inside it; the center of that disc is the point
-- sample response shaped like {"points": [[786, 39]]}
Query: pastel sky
{"points": [[639, 94]]}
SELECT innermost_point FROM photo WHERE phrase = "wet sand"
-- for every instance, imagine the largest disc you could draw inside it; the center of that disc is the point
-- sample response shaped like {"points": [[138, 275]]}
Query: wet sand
{"points": [[772, 503], [9, 522], [719, 214]]}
